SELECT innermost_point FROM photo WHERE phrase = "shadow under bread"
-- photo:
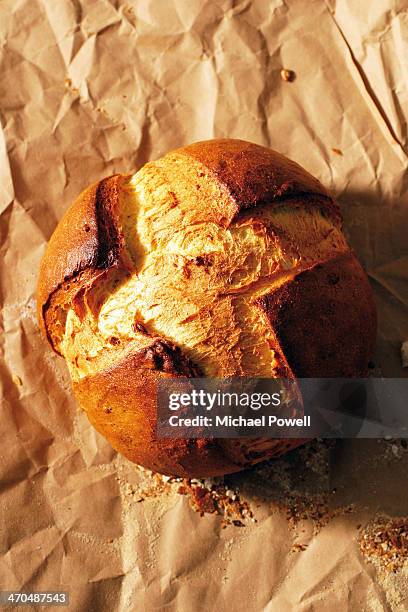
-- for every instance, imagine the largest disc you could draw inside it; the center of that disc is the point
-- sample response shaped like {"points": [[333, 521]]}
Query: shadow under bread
{"points": [[367, 474]]}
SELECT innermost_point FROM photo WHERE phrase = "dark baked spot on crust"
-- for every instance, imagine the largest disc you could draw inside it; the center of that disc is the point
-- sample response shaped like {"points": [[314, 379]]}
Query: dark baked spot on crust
{"points": [[203, 260], [140, 327], [186, 270], [174, 198], [169, 358], [333, 278]]}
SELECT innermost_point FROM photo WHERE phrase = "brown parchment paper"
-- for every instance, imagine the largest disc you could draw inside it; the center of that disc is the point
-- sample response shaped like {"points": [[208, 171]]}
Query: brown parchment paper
{"points": [[93, 87]]}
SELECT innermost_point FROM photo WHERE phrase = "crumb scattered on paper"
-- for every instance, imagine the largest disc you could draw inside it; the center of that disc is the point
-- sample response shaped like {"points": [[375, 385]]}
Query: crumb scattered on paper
{"points": [[384, 542], [395, 448], [205, 495], [404, 354], [17, 380], [299, 547], [233, 498], [152, 485], [298, 485], [287, 75], [217, 499]]}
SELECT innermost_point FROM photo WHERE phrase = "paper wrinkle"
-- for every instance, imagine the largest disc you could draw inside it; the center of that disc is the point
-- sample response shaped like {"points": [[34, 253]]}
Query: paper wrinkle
{"points": [[382, 280], [90, 88], [41, 547], [62, 18], [6, 180], [371, 99], [371, 50]]}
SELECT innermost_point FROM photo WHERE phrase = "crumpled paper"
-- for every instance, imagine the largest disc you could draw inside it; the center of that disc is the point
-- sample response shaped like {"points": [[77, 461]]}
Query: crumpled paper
{"points": [[94, 87]]}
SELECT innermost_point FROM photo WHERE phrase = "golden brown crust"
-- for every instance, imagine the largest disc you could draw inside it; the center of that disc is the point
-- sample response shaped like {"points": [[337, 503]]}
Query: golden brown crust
{"points": [[275, 291], [121, 404], [85, 241], [255, 175], [325, 320]]}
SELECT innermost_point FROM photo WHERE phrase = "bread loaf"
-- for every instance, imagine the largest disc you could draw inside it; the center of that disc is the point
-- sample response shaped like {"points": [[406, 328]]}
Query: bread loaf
{"points": [[220, 259]]}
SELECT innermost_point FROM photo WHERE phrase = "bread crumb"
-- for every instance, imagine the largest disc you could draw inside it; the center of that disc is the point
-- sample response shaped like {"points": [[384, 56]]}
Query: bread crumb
{"points": [[299, 547], [384, 542], [217, 499], [69, 85], [394, 448], [337, 151], [16, 380], [404, 354], [205, 495], [287, 75], [305, 497]]}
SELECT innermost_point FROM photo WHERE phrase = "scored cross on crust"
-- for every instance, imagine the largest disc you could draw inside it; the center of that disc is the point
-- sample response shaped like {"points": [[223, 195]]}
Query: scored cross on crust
{"points": [[220, 259]]}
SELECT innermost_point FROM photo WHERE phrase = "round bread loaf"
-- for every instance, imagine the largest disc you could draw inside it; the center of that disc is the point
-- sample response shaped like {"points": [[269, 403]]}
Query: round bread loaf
{"points": [[220, 259]]}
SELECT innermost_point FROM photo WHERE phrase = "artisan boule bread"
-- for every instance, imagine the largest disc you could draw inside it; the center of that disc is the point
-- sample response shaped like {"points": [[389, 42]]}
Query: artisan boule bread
{"points": [[221, 259]]}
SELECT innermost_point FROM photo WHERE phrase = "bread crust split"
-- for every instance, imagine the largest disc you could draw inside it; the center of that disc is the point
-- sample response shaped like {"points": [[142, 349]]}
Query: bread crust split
{"points": [[220, 259]]}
